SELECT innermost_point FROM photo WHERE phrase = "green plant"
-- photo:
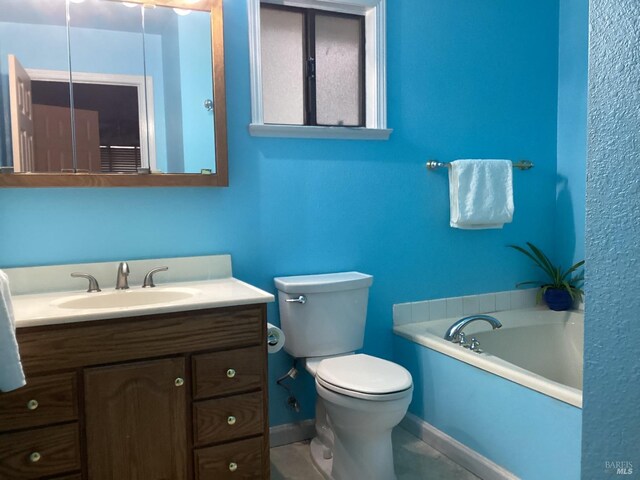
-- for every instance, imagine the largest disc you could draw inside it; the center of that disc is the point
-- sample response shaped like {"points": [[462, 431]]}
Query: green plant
{"points": [[557, 278]]}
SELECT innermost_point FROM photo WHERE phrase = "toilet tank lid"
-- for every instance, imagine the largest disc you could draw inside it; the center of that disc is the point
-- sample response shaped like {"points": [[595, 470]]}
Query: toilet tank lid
{"points": [[326, 282]]}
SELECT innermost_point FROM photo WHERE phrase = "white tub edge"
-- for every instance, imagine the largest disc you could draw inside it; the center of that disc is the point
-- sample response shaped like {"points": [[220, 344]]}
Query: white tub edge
{"points": [[495, 365]]}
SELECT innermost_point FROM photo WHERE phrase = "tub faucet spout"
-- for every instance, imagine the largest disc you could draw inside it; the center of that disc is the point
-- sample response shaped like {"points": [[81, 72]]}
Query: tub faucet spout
{"points": [[454, 331]]}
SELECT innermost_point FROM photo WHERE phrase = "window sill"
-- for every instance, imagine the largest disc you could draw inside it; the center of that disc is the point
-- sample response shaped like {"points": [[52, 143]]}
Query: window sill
{"points": [[299, 131]]}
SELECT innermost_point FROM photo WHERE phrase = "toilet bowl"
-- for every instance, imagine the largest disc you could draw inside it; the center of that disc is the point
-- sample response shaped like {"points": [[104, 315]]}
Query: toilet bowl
{"points": [[360, 397], [363, 398]]}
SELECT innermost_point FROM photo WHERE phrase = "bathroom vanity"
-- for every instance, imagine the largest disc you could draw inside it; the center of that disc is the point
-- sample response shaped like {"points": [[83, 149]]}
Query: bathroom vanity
{"points": [[179, 393]]}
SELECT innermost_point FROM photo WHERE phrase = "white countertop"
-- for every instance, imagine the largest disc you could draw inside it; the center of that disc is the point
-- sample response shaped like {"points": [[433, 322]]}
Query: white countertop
{"points": [[40, 309]]}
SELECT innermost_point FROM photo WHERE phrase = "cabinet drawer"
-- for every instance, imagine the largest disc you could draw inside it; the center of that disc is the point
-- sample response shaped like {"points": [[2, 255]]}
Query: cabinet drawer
{"points": [[236, 460], [39, 452], [224, 373], [43, 401], [227, 418]]}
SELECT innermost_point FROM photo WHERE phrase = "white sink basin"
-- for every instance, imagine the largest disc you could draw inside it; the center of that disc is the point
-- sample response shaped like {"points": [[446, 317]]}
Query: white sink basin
{"points": [[125, 298]]}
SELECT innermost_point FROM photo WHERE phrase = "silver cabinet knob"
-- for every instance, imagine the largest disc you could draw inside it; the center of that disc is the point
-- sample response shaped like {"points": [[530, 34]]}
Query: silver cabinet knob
{"points": [[179, 382], [231, 420], [233, 466], [32, 404], [231, 373], [35, 457]]}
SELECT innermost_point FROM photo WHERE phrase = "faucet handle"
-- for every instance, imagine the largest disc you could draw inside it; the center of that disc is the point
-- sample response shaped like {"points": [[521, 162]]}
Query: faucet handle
{"points": [[148, 278], [475, 345], [462, 339], [93, 283]]}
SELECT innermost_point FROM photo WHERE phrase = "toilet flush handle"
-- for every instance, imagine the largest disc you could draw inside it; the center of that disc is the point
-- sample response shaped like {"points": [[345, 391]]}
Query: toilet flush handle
{"points": [[301, 299]]}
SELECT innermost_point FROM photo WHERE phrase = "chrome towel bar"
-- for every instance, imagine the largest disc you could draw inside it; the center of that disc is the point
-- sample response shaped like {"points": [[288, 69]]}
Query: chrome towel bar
{"points": [[521, 164]]}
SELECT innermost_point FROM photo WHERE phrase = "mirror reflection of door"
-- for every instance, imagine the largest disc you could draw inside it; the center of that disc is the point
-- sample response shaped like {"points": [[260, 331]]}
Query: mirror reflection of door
{"points": [[107, 123], [21, 116], [107, 132], [53, 145], [52, 133]]}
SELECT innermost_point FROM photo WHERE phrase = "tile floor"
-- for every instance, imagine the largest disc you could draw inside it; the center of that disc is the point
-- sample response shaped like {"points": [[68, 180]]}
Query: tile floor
{"points": [[414, 460]]}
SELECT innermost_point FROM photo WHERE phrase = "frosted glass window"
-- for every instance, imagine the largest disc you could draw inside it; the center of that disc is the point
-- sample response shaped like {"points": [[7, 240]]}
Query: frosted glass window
{"points": [[283, 81], [339, 82]]}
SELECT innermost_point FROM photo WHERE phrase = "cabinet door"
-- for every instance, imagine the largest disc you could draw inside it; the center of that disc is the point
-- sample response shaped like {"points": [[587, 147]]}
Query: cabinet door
{"points": [[136, 421]]}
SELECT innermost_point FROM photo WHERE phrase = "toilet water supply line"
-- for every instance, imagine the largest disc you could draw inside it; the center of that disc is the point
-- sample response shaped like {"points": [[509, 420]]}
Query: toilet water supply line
{"points": [[292, 402]]}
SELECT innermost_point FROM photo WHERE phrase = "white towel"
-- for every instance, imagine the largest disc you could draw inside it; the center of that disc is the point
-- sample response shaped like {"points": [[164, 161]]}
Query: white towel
{"points": [[481, 193], [11, 374]]}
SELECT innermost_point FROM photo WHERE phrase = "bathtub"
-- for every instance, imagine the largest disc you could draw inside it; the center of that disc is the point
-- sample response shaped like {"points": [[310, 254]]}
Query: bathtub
{"points": [[518, 404], [536, 347]]}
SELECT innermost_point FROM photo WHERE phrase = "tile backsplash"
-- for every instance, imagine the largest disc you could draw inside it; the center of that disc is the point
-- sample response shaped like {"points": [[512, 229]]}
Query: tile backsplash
{"points": [[414, 312]]}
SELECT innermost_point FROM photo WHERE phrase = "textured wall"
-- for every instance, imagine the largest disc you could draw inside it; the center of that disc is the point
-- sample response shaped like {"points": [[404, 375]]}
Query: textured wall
{"points": [[611, 428], [465, 79]]}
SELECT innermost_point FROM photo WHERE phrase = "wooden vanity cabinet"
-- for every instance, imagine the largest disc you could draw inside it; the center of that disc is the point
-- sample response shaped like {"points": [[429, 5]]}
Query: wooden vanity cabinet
{"points": [[159, 397]]}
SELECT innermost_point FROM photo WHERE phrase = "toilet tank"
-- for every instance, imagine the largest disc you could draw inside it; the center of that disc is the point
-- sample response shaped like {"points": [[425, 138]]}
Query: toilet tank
{"points": [[332, 318]]}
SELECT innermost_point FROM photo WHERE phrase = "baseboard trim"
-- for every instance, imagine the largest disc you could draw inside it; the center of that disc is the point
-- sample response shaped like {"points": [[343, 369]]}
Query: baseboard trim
{"points": [[291, 433], [456, 451]]}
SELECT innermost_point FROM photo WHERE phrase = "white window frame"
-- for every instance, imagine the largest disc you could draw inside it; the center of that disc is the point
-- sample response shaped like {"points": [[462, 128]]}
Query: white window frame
{"points": [[374, 12], [136, 81]]}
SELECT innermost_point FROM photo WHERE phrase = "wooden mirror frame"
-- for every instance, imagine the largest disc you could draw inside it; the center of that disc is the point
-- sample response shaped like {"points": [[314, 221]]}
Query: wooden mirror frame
{"points": [[218, 179]]}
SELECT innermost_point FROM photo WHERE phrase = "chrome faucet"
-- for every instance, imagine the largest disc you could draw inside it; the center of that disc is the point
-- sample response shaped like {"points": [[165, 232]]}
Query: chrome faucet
{"points": [[122, 282], [93, 283], [148, 278], [455, 331]]}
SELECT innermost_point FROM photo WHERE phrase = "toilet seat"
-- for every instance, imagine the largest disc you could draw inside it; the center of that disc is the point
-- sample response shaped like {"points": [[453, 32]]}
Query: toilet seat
{"points": [[365, 377]]}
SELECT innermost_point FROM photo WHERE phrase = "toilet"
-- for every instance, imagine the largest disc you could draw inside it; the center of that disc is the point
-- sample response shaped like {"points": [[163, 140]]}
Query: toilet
{"points": [[361, 398]]}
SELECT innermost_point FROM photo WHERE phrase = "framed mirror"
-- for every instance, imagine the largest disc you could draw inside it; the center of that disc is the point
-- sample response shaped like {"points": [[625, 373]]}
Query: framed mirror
{"points": [[109, 93]]}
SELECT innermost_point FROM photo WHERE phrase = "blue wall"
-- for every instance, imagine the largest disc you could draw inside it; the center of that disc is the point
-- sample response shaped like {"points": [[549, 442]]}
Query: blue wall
{"points": [[572, 130], [534, 436], [470, 79], [611, 428]]}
